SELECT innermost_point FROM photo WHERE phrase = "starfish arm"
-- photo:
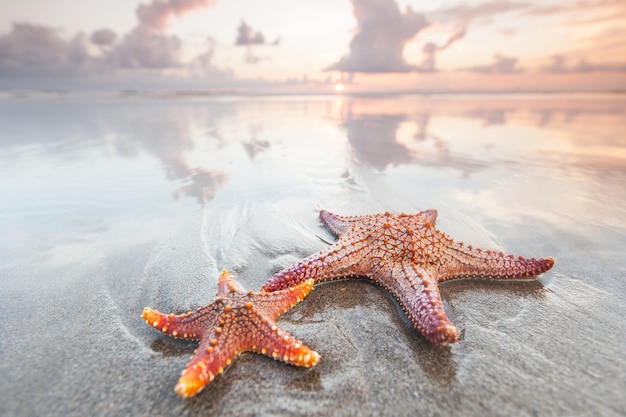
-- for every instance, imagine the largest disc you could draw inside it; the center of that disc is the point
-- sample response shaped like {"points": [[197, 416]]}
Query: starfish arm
{"points": [[227, 284], [429, 215], [467, 262], [339, 260], [338, 224], [277, 303], [276, 343], [214, 354], [418, 294], [183, 326]]}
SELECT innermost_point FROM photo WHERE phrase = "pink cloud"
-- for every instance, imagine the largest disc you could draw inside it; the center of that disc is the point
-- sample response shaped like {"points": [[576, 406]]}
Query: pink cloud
{"points": [[466, 13], [430, 49], [382, 32], [155, 16], [147, 46], [31, 50], [501, 65], [560, 64]]}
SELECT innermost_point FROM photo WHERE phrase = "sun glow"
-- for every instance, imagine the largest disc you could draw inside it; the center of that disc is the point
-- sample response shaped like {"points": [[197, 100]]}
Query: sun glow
{"points": [[339, 87]]}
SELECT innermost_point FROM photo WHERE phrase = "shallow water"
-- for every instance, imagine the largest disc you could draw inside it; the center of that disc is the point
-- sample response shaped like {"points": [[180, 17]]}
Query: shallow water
{"points": [[110, 204]]}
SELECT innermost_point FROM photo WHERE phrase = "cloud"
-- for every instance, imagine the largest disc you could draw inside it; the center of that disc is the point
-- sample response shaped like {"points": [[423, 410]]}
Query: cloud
{"points": [[103, 37], [155, 16], [501, 65], [31, 51], [146, 46], [247, 36], [382, 32], [35, 49], [430, 49], [458, 34], [583, 12], [560, 65], [251, 57], [465, 13], [140, 49]]}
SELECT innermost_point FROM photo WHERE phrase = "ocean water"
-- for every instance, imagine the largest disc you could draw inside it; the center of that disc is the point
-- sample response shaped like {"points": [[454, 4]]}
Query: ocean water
{"points": [[110, 203]]}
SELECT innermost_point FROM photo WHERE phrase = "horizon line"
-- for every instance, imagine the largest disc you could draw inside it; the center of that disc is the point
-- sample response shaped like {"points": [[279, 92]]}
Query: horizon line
{"points": [[234, 92]]}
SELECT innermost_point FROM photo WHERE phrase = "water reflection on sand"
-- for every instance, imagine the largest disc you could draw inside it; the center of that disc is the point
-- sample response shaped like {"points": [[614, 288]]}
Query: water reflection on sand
{"points": [[505, 159], [192, 139]]}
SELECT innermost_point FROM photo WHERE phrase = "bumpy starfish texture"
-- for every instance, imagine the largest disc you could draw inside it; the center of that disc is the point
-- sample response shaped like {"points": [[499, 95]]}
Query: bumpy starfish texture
{"points": [[409, 257], [235, 322]]}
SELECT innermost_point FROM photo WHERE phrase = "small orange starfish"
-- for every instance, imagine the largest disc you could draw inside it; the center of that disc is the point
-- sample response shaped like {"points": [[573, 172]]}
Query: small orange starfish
{"points": [[409, 257], [235, 322]]}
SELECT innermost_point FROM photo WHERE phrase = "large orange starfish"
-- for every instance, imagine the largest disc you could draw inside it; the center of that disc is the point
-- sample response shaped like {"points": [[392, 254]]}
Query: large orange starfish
{"points": [[409, 257], [234, 323]]}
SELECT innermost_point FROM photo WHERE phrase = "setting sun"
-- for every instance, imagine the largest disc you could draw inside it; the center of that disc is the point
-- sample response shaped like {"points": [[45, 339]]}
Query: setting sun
{"points": [[339, 87]]}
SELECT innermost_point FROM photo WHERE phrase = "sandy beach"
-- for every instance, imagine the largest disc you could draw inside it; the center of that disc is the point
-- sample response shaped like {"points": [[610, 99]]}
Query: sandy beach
{"points": [[109, 204]]}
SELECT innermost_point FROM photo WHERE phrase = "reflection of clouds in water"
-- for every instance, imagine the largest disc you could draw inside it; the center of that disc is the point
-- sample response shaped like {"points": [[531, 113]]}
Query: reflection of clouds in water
{"points": [[422, 122], [72, 131], [383, 141], [255, 146], [201, 143], [373, 139], [445, 134], [169, 137], [490, 116], [203, 186]]}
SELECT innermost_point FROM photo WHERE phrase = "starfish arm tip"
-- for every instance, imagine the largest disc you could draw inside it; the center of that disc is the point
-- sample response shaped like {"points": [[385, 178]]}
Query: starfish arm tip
{"points": [[450, 334], [152, 317], [188, 387], [315, 358], [307, 358], [443, 334], [337, 224], [540, 266]]}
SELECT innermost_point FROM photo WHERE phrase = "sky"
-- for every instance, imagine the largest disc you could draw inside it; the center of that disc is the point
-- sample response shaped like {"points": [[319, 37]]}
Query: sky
{"points": [[321, 46]]}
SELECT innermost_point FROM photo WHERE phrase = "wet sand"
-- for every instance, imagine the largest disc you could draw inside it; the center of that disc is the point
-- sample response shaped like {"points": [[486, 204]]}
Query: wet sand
{"points": [[109, 205]]}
